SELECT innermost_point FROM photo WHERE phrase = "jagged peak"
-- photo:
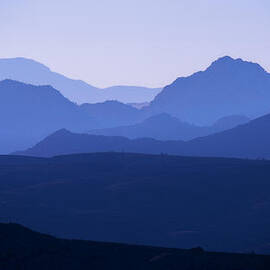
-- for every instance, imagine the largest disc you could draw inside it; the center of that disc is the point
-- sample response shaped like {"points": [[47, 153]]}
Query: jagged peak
{"points": [[229, 62]]}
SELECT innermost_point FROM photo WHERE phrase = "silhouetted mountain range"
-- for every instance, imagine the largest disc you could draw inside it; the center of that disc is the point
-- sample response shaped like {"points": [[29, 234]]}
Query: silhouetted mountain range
{"points": [[65, 142], [32, 251], [30, 71], [216, 203], [250, 140], [228, 87], [29, 113], [201, 196], [165, 127]]}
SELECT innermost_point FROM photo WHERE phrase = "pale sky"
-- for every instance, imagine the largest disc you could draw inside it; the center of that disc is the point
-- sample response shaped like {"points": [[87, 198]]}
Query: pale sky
{"points": [[134, 42]]}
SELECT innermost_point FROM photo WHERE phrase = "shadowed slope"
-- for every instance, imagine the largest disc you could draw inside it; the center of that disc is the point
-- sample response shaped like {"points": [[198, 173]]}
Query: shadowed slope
{"points": [[29, 113], [228, 87], [32, 250], [250, 140], [219, 204]]}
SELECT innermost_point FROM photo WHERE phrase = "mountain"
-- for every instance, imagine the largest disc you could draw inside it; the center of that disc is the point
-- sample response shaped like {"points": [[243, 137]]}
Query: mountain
{"points": [[46, 252], [29, 113], [30, 71], [113, 113], [165, 127], [160, 127], [216, 203], [64, 142], [250, 140], [228, 87]]}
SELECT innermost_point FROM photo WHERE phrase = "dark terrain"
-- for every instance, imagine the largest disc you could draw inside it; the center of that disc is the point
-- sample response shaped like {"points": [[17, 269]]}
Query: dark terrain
{"points": [[216, 203], [21, 248]]}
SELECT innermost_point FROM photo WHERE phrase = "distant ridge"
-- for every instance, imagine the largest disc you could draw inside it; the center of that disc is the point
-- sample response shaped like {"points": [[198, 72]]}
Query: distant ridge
{"points": [[65, 142], [165, 127], [250, 140], [227, 87], [33, 72]]}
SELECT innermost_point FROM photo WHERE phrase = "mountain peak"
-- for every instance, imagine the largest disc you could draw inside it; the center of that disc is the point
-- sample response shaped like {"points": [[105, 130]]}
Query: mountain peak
{"points": [[226, 59], [229, 63], [227, 87]]}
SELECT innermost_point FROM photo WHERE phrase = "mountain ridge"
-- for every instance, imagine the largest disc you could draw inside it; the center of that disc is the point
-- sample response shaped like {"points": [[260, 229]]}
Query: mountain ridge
{"points": [[33, 72], [227, 87], [237, 142], [29, 113], [165, 127]]}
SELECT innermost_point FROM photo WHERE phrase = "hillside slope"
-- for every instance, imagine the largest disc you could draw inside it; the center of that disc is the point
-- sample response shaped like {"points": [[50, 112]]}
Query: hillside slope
{"points": [[218, 204], [228, 87], [29, 113], [21, 248]]}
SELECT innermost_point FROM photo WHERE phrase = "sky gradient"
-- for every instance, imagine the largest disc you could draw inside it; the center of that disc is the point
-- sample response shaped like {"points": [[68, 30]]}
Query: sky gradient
{"points": [[134, 42]]}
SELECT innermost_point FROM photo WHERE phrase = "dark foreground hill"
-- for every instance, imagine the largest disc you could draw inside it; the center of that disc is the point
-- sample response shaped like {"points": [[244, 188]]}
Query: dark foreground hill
{"points": [[21, 248], [218, 204], [250, 140]]}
